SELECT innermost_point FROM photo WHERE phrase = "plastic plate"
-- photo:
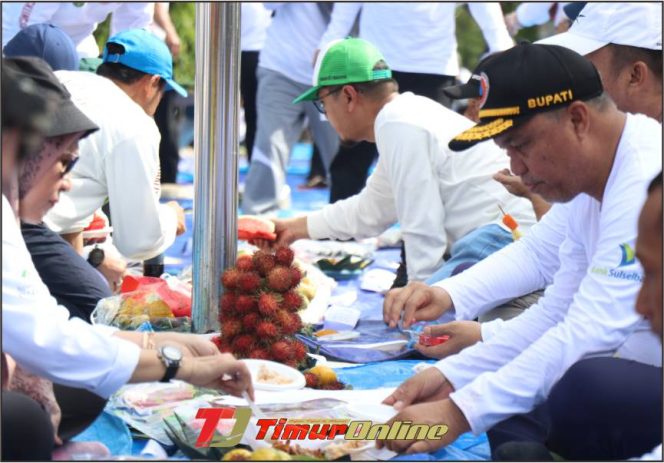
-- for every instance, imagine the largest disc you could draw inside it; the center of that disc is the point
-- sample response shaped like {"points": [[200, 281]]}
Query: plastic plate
{"points": [[297, 378]]}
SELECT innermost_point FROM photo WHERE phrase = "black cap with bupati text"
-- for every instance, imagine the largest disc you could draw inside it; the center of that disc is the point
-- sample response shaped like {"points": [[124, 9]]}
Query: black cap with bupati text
{"points": [[525, 80]]}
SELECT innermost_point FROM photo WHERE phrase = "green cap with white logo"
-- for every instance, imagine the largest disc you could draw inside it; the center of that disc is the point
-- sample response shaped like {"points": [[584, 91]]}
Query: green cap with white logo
{"points": [[343, 62]]}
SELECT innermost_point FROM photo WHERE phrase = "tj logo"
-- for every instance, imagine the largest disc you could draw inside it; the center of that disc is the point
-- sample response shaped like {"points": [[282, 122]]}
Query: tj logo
{"points": [[212, 417], [628, 255]]}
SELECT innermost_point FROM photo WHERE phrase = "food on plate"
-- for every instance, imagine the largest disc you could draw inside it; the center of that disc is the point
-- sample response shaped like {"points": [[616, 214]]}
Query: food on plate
{"points": [[338, 450], [251, 227], [320, 333], [237, 455], [269, 454], [294, 449], [267, 376]]}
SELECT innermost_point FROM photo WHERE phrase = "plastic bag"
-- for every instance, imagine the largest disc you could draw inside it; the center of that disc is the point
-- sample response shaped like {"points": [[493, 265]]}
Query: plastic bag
{"points": [[165, 304]]}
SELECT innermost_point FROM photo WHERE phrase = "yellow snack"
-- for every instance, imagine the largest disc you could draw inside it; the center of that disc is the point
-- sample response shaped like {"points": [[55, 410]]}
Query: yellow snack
{"points": [[325, 374], [237, 455], [320, 333], [269, 454]]}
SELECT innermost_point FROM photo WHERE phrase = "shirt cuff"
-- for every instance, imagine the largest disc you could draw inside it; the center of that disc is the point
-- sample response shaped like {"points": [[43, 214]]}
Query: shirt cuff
{"points": [[126, 360], [489, 329], [317, 226]]}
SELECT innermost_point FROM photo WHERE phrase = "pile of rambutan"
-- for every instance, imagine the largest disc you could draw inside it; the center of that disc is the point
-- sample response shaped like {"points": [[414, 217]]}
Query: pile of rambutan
{"points": [[259, 308]]}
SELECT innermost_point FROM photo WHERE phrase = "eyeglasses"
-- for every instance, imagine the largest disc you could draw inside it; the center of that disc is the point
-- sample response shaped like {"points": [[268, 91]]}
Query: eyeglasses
{"points": [[69, 164], [320, 105]]}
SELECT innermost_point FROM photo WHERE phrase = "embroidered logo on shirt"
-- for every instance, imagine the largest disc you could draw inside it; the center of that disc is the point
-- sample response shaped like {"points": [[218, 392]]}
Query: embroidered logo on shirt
{"points": [[627, 258]]}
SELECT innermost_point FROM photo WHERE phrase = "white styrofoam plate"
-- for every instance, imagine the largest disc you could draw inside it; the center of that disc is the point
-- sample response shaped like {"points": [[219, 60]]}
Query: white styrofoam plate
{"points": [[298, 381]]}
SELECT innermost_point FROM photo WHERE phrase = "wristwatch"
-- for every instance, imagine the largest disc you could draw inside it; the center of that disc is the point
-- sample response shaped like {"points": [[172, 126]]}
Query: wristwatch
{"points": [[171, 357], [96, 257]]}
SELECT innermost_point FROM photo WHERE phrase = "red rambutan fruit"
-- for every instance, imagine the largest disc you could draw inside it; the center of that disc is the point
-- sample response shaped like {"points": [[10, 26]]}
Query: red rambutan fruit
{"points": [[242, 344], [311, 380], [231, 328], [292, 363], [296, 276], [229, 278], [299, 351], [248, 282], [268, 304], [292, 301], [227, 302], [281, 351], [250, 321], [245, 263], [284, 256], [266, 329], [264, 262], [279, 279], [259, 353], [289, 323], [245, 304]]}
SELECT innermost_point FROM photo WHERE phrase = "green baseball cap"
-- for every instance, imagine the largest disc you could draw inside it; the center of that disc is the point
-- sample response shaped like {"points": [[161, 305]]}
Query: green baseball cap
{"points": [[345, 61]]}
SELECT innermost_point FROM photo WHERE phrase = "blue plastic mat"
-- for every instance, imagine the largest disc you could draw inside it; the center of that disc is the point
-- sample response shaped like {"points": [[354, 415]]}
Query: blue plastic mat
{"points": [[111, 431]]}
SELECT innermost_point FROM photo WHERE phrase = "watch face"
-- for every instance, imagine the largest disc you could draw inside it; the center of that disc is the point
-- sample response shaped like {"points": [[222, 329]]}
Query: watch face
{"points": [[171, 353]]}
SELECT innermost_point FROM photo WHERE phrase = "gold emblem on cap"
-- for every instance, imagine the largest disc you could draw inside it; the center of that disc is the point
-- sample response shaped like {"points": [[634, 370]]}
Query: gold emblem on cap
{"points": [[482, 132], [497, 112]]}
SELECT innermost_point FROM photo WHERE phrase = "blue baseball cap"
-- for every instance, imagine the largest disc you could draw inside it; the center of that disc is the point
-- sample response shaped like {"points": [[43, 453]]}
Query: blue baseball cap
{"points": [[144, 52], [47, 42]]}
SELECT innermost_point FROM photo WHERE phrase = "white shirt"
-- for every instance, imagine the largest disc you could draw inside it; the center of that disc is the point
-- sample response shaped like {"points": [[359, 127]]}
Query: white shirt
{"points": [[119, 162], [39, 335], [254, 21], [587, 311], [291, 40], [437, 195], [79, 22], [417, 37]]}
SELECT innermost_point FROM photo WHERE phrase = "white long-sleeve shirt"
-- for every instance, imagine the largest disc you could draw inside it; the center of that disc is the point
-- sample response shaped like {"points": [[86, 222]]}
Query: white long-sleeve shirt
{"points": [[587, 311], [79, 21], [120, 162], [437, 196], [292, 38], [417, 37], [39, 335]]}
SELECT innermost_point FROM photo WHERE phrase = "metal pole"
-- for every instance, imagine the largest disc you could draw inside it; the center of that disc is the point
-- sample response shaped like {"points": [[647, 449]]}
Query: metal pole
{"points": [[215, 129]]}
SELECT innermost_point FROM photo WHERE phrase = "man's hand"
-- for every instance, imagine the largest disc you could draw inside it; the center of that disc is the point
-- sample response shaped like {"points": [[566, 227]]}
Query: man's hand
{"points": [[173, 43], [220, 371], [287, 231], [182, 225], [193, 345], [443, 412], [462, 334], [512, 183], [427, 386], [418, 301], [114, 270]]}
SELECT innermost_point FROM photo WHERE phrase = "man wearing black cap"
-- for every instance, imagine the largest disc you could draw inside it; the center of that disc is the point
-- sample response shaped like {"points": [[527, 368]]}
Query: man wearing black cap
{"points": [[545, 106]]}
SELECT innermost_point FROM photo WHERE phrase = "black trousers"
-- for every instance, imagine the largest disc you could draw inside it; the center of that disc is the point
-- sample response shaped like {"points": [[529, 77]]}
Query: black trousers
{"points": [[248, 88], [167, 119], [27, 433], [601, 409]]}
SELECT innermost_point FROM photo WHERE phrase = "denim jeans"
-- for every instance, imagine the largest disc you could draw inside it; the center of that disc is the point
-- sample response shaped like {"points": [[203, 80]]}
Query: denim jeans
{"points": [[472, 248]]}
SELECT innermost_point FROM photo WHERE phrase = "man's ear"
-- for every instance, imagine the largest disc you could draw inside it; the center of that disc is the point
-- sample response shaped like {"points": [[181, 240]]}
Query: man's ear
{"points": [[638, 74], [579, 113], [350, 95], [155, 81]]}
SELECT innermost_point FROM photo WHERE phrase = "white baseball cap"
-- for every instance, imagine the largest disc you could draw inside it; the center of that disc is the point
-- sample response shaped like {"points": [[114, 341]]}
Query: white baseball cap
{"points": [[599, 24]]}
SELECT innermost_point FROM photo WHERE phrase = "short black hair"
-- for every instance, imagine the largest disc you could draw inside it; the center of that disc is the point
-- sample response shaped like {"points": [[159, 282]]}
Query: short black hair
{"points": [[624, 55], [656, 183], [374, 87], [118, 71]]}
